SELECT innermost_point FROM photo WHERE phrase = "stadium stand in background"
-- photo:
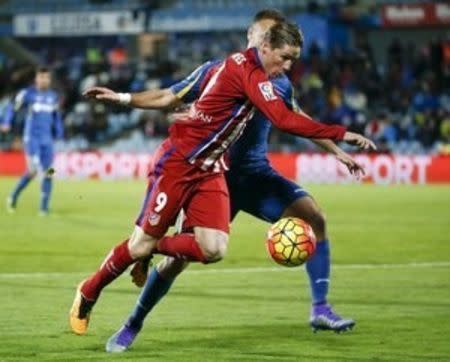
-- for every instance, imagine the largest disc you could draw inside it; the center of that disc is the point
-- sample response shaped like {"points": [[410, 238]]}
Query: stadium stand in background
{"points": [[392, 85]]}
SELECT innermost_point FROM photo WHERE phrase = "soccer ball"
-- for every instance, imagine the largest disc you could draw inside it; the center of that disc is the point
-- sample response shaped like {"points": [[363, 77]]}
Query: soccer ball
{"points": [[291, 241]]}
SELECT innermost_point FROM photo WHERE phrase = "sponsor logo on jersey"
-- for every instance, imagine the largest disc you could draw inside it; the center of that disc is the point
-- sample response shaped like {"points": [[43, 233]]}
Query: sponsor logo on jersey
{"points": [[43, 107], [195, 113], [153, 219], [239, 58], [266, 89]]}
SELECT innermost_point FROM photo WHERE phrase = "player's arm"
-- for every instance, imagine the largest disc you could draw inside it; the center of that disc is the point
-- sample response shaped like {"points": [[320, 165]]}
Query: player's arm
{"points": [[12, 108], [288, 94], [286, 91], [185, 91], [328, 145], [353, 167], [6, 122], [151, 99], [260, 92]]}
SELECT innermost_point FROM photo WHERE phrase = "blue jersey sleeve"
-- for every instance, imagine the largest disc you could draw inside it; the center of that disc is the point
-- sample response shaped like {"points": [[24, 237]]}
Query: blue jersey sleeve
{"points": [[20, 101], [8, 115], [188, 89], [285, 91]]}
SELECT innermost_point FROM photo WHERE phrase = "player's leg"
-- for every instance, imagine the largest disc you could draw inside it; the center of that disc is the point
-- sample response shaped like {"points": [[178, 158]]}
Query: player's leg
{"points": [[139, 271], [158, 284], [271, 197], [156, 287], [46, 172], [121, 257], [318, 266], [32, 161], [208, 225], [211, 235], [140, 244]]}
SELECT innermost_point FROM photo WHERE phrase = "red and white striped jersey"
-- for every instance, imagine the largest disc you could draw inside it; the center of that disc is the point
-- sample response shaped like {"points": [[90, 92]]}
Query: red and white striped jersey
{"points": [[229, 97]]}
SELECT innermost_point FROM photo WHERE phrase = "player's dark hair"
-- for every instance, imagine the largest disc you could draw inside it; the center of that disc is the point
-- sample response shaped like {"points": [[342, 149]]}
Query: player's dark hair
{"points": [[269, 14], [284, 33], [42, 69]]}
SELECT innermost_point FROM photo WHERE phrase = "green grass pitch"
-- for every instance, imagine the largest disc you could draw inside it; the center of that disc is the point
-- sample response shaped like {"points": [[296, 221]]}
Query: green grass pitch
{"points": [[391, 257]]}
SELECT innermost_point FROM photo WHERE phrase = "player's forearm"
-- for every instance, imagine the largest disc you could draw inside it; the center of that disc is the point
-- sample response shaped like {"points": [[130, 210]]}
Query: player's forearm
{"points": [[9, 117], [154, 99], [303, 125], [328, 145]]}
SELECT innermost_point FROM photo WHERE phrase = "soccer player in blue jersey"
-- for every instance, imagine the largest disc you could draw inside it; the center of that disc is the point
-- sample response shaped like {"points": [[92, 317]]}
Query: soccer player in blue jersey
{"points": [[254, 186], [42, 124]]}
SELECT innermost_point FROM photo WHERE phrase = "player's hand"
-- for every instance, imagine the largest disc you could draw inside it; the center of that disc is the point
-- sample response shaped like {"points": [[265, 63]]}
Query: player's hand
{"points": [[353, 167], [360, 141], [101, 94]]}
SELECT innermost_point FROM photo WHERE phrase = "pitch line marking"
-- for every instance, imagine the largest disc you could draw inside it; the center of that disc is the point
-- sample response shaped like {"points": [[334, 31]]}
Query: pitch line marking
{"points": [[413, 265]]}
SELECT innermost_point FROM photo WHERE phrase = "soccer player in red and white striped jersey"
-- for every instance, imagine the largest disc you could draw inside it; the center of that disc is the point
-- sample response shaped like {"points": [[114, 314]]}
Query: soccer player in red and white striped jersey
{"points": [[189, 166]]}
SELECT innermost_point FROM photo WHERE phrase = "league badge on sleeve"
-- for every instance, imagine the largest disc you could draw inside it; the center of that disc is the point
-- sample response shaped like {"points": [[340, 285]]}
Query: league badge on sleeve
{"points": [[266, 89]]}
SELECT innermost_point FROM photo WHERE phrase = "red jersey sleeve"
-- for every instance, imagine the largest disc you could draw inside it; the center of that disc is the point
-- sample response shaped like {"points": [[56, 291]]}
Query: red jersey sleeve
{"points": [[260, 91]]}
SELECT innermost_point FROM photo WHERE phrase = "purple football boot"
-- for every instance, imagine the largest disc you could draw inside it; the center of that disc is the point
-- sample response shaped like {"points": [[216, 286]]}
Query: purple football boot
{"points": [[121, 340], [323, 318]]}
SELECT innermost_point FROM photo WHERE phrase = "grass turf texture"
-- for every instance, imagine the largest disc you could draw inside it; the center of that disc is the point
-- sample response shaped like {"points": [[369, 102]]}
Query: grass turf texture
{"points": [[402, 311]]}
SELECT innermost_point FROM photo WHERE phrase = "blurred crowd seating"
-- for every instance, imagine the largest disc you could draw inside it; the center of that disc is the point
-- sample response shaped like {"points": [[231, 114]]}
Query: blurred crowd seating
{"points": [[402, 103]]}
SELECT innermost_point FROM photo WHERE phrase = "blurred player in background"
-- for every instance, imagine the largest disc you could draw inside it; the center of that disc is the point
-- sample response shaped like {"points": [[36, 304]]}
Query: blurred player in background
{"points": [[190, 164], [254, 186], [43, 123]]}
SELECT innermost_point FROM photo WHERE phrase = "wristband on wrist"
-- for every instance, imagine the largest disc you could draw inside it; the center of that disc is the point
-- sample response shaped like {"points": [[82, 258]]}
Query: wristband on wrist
{"points": [[124, 98]]}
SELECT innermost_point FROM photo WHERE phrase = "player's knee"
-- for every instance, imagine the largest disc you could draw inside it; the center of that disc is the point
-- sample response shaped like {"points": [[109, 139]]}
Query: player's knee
{"points": [[171, 267], [213, 245], [141, 244], [318, 222]]}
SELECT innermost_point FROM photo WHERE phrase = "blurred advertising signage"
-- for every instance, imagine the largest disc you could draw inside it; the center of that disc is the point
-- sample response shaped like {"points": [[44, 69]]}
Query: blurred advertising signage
{"points": [[77, 23], [315, 168], [380, 169], [198, 22], [420, 14]]}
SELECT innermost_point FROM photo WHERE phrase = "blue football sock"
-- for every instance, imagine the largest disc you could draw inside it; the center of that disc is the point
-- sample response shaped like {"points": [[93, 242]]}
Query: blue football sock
{"points": [[46, 190], [155, 288], [23, 182], [318, 268]]}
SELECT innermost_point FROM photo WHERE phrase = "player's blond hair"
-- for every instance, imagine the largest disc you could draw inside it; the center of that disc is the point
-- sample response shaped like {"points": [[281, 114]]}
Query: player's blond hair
{"points": [[283, 33]]}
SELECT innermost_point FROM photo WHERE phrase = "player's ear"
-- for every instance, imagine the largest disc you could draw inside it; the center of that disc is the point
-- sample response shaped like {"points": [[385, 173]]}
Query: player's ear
{"points": [[265, 47], [249, 33]]}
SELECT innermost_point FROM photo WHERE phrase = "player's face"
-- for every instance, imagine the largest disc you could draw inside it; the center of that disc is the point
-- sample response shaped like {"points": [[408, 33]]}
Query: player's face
{"points": [[43, 80], [276, 61], [257, 31]]}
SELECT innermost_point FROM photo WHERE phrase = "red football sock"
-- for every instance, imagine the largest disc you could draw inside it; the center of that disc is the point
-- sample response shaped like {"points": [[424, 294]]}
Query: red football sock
{"points": [[114, 265], [182, 246]]}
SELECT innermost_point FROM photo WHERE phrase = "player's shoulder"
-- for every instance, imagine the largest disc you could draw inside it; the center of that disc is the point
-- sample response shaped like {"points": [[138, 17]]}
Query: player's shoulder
{"points": [[282, 85], [213, 63], [246, 58], [245, 62], [28, 90], [25, 93], [207, 66], [282, 82]]}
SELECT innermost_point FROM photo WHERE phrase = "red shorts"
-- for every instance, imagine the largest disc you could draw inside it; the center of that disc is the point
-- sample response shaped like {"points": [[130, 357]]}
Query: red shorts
{"points": [[175, 184]]}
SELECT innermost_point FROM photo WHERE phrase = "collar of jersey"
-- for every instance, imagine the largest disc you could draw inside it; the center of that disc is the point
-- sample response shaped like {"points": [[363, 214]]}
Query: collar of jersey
{"points": [[254, 50]]}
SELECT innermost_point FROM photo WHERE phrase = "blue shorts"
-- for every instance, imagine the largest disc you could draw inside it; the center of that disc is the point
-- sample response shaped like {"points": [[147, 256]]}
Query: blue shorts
{"points": [[39, 156], [262, 193]]}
